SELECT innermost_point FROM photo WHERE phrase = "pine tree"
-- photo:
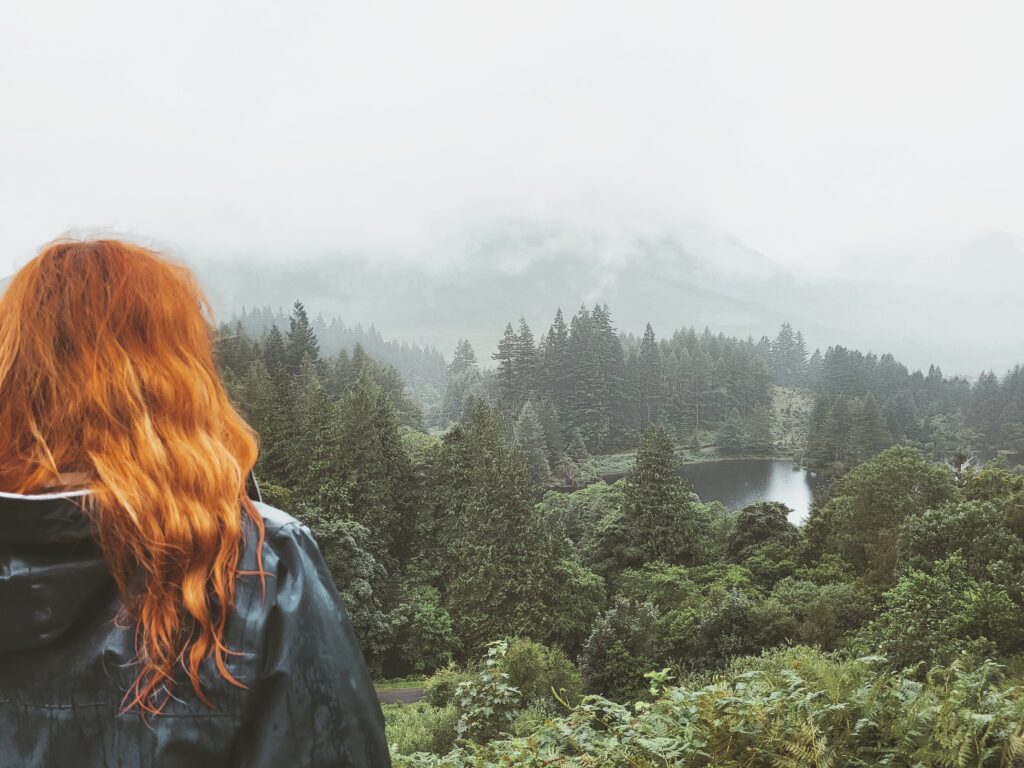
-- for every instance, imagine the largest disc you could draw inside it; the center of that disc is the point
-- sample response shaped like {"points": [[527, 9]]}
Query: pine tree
{"points": [[463, 378], [374, 469], [342, 375], [757, 430], [267, 405], [314, 456], [782, 355], [985, 410], [872, 436], [529, 438], [234, 350], [651, 377], [611, 420], [556, 370], [503, 563], [663, 515], [800, 360], [274, 356], [552, 426], [732, 435], [463, 360], [506, 373], [814, 366], [301, 342], [525, 364]]}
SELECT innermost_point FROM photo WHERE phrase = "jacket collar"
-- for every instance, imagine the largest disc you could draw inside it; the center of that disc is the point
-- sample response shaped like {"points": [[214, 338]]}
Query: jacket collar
{"points": [[53, 517], [43, 496]]}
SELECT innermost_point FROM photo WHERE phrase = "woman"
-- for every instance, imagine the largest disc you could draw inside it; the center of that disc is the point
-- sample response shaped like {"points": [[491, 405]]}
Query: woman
{"points": [[150, 613]]}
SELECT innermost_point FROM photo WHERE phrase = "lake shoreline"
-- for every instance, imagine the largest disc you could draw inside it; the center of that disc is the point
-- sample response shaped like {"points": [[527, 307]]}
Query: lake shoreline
{"points": [[738, 481]]}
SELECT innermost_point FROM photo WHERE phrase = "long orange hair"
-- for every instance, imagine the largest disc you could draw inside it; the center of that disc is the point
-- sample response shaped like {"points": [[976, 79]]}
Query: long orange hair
{"points": [[107, 369]]}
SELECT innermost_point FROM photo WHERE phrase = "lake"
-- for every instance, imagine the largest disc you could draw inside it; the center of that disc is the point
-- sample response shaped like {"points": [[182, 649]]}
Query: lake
{"points": [[739, 482]]}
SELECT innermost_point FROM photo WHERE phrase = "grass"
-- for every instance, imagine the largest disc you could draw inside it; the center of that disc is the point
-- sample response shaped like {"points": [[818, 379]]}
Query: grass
{"points": [[611, 464], [791, 417], [397, 683]]}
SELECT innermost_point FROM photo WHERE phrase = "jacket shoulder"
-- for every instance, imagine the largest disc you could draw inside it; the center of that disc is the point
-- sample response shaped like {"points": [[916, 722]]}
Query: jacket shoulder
{"points": [[277, 522], [285, 539]]}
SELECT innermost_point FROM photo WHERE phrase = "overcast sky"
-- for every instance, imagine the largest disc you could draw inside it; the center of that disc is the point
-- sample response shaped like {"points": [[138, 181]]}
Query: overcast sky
{"points": [[837, 138]]}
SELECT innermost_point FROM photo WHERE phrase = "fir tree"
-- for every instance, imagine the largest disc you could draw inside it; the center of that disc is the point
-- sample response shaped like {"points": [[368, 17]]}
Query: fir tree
{"points": [[731, 436], [506, 372], [375, 469], [525, 364], [552, 433], [463, 360], [757, 431], [650, 374], [557, 365], [503, 564], [274, 355], [301, 342], [663, 515], [872, 436], [529, 437]]}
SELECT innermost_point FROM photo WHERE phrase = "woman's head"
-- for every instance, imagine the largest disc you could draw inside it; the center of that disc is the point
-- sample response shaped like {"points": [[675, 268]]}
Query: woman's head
{"points": [[107, 369]]}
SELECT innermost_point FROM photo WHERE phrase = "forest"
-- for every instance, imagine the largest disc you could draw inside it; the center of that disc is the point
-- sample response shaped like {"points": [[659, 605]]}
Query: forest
{"points": [[595, 390], [559, 619]]}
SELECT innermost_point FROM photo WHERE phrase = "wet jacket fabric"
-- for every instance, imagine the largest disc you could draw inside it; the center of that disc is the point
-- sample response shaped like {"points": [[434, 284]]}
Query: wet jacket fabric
{"points": [[65, 663]]}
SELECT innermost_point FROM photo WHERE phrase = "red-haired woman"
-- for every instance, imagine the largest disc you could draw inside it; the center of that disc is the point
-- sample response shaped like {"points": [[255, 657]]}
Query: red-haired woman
{"points": [[150, 613]]}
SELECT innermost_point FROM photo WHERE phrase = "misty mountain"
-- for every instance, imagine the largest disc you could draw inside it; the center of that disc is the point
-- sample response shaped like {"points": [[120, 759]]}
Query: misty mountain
{"points": [[471, 287]]}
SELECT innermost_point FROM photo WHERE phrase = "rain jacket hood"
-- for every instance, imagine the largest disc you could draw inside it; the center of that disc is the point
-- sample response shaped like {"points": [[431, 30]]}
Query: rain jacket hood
{"points": [[65, 663], [50, 569]]}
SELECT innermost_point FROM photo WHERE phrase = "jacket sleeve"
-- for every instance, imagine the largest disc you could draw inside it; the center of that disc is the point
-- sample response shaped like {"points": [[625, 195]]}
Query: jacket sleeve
{"points": [[313, 704]]}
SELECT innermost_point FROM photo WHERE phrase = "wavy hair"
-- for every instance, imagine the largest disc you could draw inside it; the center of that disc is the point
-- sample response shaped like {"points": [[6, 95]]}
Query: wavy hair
{"points": [[107, 369]]}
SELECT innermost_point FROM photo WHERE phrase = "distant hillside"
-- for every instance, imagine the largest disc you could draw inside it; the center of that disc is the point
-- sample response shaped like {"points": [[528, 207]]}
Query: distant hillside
{"points": [[423, 369], [472, 287]]}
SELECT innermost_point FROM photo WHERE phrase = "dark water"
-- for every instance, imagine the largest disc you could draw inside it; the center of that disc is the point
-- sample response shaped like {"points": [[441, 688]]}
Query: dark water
{"points": [[740, 482]]}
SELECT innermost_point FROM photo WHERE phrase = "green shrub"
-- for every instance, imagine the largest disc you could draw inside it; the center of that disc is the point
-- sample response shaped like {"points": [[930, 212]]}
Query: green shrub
{"points": [[425, 638], [934, 617], [621, 649], [487, 703], [533, 716], [442, 684], [420, 727], [534, 670]]}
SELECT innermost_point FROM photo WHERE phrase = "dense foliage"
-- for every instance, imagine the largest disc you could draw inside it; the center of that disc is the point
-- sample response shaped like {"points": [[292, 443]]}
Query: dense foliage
{"points": [[794, 708], [907, 579]]}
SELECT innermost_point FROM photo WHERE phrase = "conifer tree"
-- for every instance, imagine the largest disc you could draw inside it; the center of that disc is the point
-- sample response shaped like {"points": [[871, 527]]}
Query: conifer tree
{"points": [[463, 360], [525, 364], [872, 436], [650, 376], [757, 431], [800, 360], [301, 342], [274, 356], [552, 427], [556, 364], [661, 512], [529, 438], [503, 565], [374, 468], [267, 405], [732, 435], [615, 419], [814, 366], [314, 460], [506, 372]]}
